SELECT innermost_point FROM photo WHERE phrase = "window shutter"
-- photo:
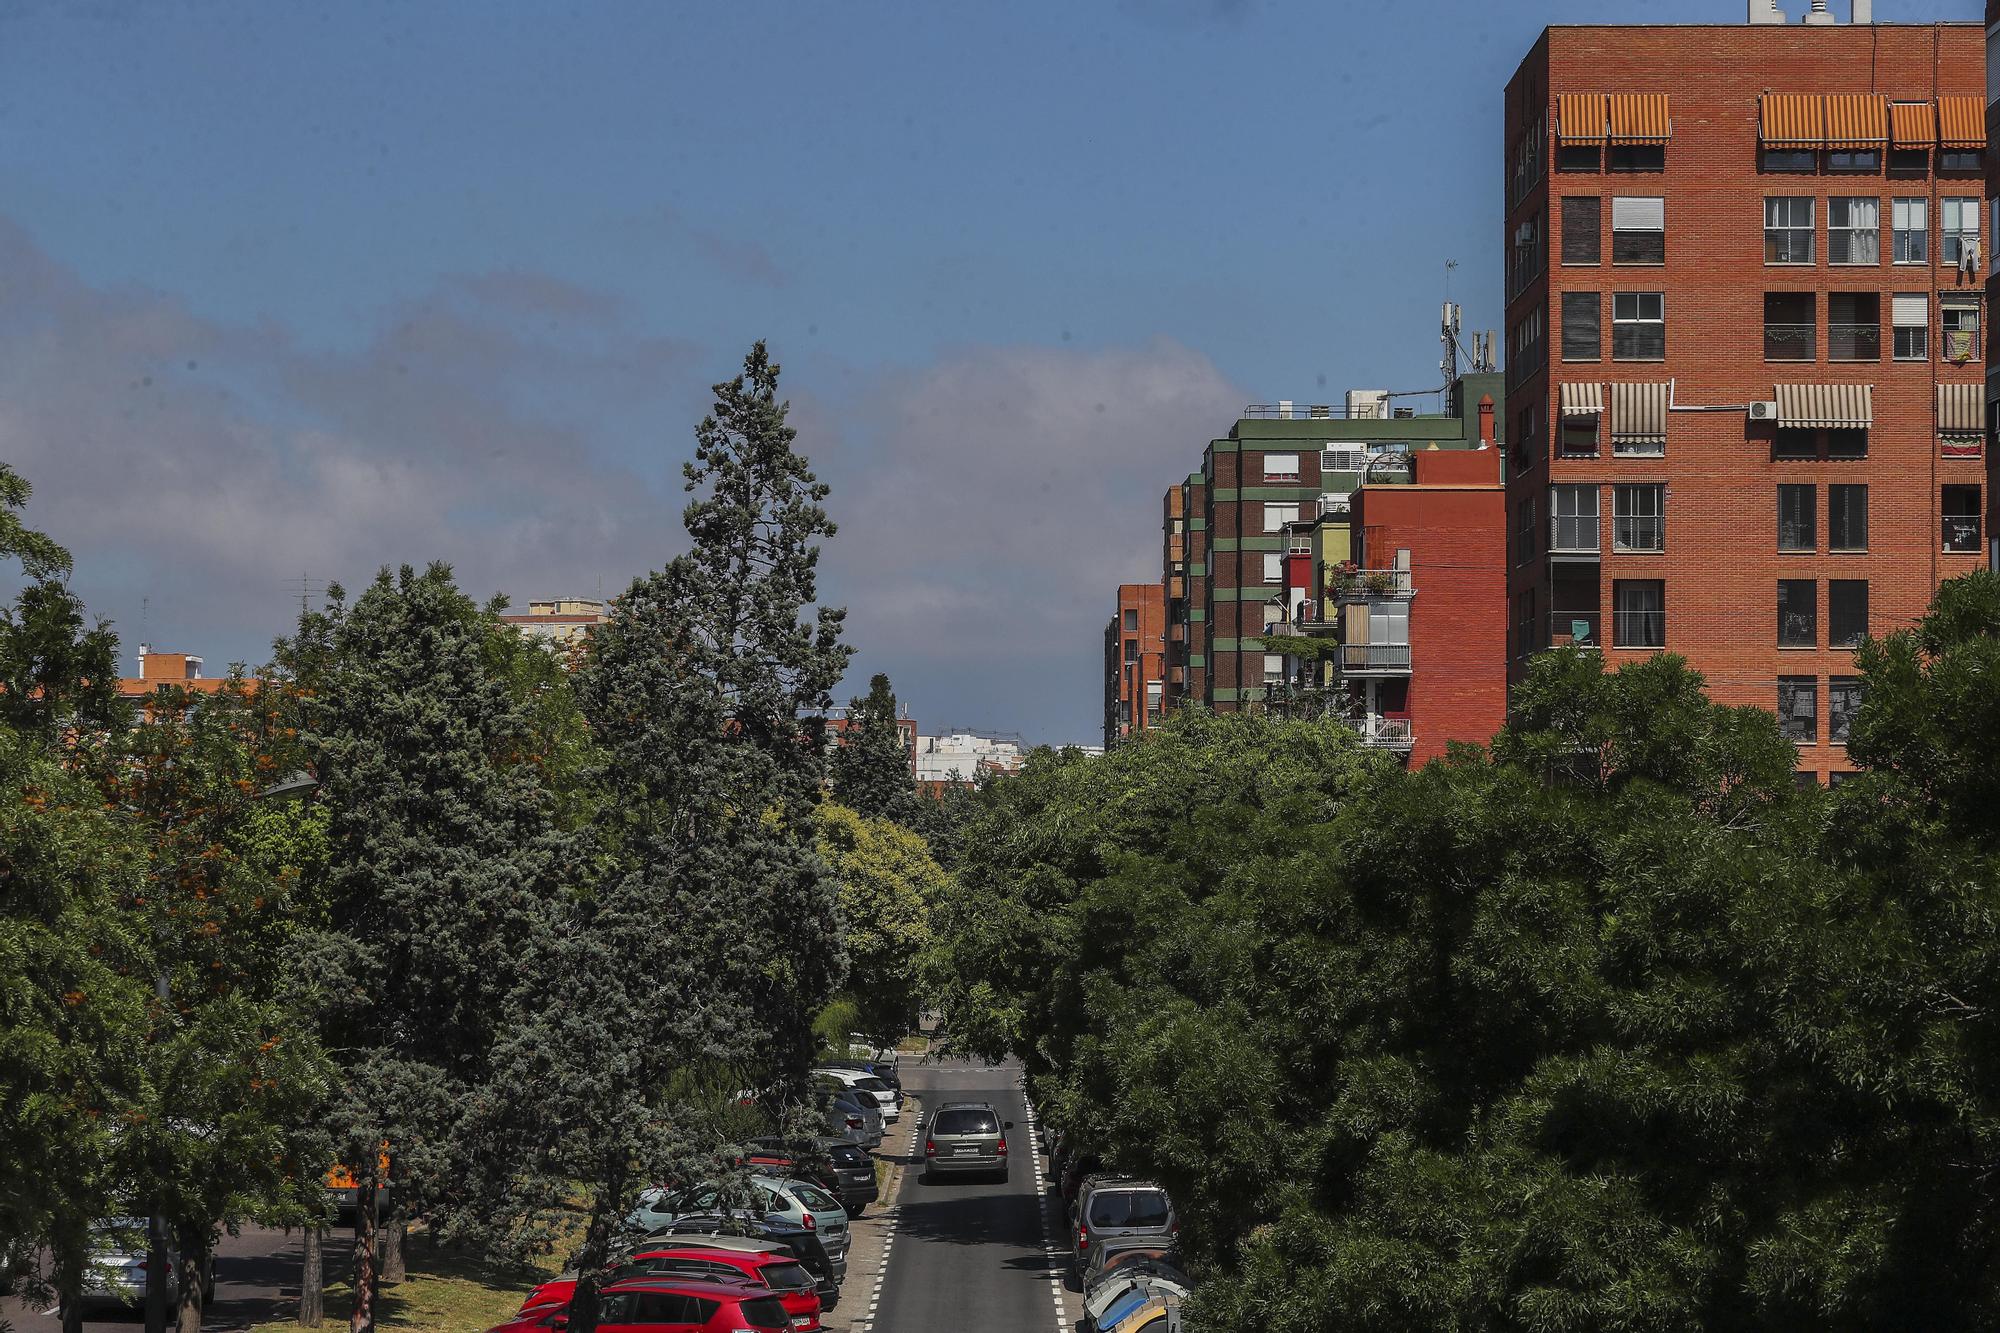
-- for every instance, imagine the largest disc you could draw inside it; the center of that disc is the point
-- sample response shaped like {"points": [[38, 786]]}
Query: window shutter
{"points": [[1582, 331], [1281, 465], [1910, 310], [1582, 220], [1639, 214], [1274, 568]]}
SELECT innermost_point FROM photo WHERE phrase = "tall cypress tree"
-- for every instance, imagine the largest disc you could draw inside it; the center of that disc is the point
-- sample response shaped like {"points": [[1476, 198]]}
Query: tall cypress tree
{"points": [[710, 936], [871, 766], [443, 859]]}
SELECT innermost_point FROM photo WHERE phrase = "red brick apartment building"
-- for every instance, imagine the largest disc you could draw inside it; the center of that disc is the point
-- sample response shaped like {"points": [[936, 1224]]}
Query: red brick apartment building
{"points": [[1744, 281], [1135, 662]]}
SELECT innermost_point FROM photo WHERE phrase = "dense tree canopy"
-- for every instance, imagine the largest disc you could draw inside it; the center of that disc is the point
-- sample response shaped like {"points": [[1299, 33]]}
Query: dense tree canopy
{"points": [[888, 885], [870, 766]]}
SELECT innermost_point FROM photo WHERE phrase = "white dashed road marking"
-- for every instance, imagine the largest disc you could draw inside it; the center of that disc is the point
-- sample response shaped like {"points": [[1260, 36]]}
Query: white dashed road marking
{"points": [[1053, 1250]]}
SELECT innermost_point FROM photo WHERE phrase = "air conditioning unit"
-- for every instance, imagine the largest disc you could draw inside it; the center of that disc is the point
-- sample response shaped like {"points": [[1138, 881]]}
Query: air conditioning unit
{"points": [[1766, 411]]}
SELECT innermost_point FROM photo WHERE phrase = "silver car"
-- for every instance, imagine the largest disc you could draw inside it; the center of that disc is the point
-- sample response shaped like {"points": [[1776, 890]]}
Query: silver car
{"points": [[966, 1138], [1117, 1207], [116, 1272], [853, 1116]]}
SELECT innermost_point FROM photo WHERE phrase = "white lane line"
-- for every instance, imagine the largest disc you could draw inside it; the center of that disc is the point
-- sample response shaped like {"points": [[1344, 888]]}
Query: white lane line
{"points": [[1052, 1251]]}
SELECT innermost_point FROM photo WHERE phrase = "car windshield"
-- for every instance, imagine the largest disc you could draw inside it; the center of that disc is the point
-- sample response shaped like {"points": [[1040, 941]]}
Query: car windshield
{"points": [[1128, 1208], [966, 1120]]}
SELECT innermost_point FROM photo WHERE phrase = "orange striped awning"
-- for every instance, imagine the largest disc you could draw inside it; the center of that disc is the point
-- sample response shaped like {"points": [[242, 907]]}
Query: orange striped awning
{"points": [[1580, 118], [1640, 118], [1961, 123], [1912, 124], [1857, 121], [1792, 120]]}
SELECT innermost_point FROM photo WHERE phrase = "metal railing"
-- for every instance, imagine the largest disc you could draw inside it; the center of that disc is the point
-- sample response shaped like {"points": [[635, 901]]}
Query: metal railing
{"points": [[1854, 342], [1373, 584], [1393, 733], [1961, 533], [1576, 629], [1290, 411], [1384, 657], [1790, 342], [1575, 534]]}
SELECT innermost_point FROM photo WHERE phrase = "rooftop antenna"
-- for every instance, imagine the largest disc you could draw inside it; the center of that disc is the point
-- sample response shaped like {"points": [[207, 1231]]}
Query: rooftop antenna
{"points": [[307, 586], [1448, 332]]}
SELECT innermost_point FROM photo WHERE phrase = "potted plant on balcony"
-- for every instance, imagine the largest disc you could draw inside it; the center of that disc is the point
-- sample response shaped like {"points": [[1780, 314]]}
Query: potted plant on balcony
{"points": [[1343, 578], [1379, 582]]}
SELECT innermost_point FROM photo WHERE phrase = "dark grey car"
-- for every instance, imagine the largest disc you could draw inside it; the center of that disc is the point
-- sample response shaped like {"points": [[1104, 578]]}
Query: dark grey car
{"points": [[1118, 1208], [966, 1138]]}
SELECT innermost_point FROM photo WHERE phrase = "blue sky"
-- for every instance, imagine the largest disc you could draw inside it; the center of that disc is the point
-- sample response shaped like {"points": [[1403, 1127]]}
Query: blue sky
{"points": [[295, 288]]}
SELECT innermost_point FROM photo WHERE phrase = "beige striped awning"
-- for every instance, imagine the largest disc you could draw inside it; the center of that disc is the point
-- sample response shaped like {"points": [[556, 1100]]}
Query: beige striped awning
{"points": [[1857, 120], [1912, 124], [1961, 122], [1639, 413], [1792, 120], [1640, 118], [1582, 400], [1959, 409], [1838, 406], [1580, 118]]}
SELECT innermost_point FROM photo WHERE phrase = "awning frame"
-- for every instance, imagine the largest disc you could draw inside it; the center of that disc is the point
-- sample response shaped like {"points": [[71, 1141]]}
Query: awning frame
{"points": [[1961, 122], [1826, 406], [1961, 409], [1640, 118], [1581, 119], [1791, 120], [1857, 122], [1581, 399]]}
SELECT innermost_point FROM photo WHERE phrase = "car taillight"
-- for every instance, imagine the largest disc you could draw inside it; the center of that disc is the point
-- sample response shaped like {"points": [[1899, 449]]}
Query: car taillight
{"points": [[854, 1122], [1082, 1239], [1003, 1147], [930, 1147], [810, 1224]]}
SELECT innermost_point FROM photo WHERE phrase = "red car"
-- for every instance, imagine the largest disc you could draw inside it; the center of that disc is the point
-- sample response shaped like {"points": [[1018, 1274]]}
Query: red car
{"points": [[733, 1260], [667, 1305]]}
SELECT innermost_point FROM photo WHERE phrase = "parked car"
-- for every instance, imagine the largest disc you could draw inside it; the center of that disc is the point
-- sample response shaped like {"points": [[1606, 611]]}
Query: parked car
{"points": [[1134, 1254], [882, 1069], [1077, 1167], [1133, 1303], [866, 1084], [854, 1172], [115, 1271], [966, 1138], [757, 1263], [797, 1201], [1109, 1207], [851, 1115], [672, 1305], [736, 1227]]}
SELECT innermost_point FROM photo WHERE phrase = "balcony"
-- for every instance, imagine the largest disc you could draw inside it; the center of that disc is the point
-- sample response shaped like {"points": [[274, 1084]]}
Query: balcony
{"points": [[1290, 411], [1790, 342], [1854, 342], [1375, 659], [1378, 732], [1373, 585], [1574, 629]]}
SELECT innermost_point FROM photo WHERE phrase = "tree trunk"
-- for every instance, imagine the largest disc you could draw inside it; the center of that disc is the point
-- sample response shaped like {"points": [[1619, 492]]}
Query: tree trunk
{"points": [[363, 1318], [194, 1249], [590, 1260], [156, 1274], [69, 1284], [312, 1281], [397, 1227]]}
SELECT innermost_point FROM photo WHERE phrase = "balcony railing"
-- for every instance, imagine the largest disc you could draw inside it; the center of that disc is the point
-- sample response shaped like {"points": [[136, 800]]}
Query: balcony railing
{"points": [[1575, 629], [1390, 733], [1961, 533], [1854, 342], [1366, 585], [1790, 342], [1570, 534], [1389, 659], [1289, 411]]}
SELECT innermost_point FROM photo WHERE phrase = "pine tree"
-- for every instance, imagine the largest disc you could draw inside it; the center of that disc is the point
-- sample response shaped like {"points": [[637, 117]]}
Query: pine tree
{"points": [[443, 859], [710, 935], [870, 766]]}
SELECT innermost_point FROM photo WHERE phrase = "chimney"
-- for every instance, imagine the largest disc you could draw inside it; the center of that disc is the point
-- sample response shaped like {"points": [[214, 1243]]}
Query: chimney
{"points": [[143, 650], [1864, 11], [1485, 419], [1766, 11], [1819, 15]]}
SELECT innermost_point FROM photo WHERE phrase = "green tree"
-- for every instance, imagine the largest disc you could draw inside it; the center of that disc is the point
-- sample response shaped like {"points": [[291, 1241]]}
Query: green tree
{"points": [[888, 883], [709, 935], [443, 859], [870, 765]]}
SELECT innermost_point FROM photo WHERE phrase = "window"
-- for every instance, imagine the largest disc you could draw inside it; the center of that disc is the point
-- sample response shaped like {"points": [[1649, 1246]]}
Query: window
{"points": [[1155, 694], [1281, 467], [1638, 326], [1961, 519], [1846, 612], [1853, 231], [1274, 669], [1638, 613], [1638, 157], [1579, 434], [1854, 160], [1131, 650], [1909, 219], [1577, 157], [1573, 510], [1131, 621], [1788, 229], [1792, 161], [1277, 515], [1798, 613], [1846, 518], [1958, 321], [1853, 326], [1583, 338], [1795, 518], [1909, 161], [1791, 326], [1798, 709], [1274, 567], [1847, 442], [1959, 219], [1524, 532], [1843, 701], [1795, 443], [1525, 258], [1582, 223], [1638, 518], [1273, 614], [1910, 314], [1961, 161], [1639, 230]]}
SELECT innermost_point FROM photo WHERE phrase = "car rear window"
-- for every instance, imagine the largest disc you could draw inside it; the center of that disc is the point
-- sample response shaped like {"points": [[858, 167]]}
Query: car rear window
{"points": [[846, 1154], [785, 1276], [766, 1312], [814, 1197], [1128, 1208], [871, 1083], [966, 1120]]}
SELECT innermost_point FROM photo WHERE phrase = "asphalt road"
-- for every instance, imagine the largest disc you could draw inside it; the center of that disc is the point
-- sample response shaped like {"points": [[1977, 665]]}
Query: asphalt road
{"points": [[968, 1254], [256, 1280]]}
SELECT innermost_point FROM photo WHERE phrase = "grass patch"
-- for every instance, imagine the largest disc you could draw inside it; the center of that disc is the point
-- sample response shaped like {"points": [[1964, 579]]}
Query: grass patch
{"points": [[445, 1292]]}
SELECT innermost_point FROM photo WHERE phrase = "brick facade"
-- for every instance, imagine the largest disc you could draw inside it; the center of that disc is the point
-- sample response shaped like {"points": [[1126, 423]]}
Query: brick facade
{"points": [[1135, 662], [1720, 563]]}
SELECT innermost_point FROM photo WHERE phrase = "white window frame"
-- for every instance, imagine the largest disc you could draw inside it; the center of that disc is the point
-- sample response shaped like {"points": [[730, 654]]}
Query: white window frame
{"points": [[1852, 231], [1623, 512], [1910, 312], [1274, 567], [1281, 467], [1566, 506], [1274, 668], [1638, 320], [1278, 513], [1791, 225], [1910, 230], [1952, 234], [1632, 213], [1342, 457]]}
